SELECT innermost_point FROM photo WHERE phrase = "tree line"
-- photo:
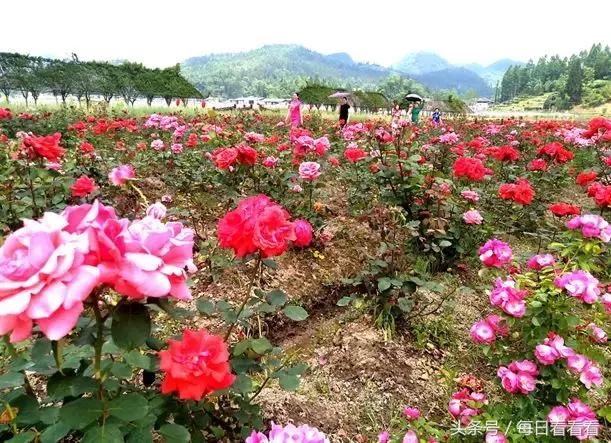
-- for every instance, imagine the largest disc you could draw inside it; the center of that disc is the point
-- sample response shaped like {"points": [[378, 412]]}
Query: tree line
{"points": [[581, 78], [31, 76]]}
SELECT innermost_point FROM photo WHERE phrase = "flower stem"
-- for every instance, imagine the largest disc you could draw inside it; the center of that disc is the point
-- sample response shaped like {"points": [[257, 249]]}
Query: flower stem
{"points": [[99, 339], [246, 297]]}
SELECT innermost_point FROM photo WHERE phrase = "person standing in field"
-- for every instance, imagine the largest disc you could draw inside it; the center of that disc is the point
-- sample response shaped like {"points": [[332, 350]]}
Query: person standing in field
{"points": [[294, 113], [416, 109], [436, 117], [343, 111]]}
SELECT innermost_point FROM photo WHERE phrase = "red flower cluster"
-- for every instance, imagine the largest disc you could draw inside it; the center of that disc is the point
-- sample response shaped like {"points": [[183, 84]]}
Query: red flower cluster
{"points": [[599, 126], [46, 147], [520, 192], [224, 158], [556, 151], [601, 194], [562, 209], [195, 366], [471, 168], [586, 177], [354, 154], [537, 164], [5, 114], [505, 153], [257, 224]]}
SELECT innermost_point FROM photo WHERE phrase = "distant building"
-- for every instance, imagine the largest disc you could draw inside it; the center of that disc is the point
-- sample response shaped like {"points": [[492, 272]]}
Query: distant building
{"points": [[481, 104]]}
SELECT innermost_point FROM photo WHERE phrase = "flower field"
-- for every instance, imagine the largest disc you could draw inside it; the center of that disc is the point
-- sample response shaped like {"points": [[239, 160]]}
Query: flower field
{"points": [[222, 277]]}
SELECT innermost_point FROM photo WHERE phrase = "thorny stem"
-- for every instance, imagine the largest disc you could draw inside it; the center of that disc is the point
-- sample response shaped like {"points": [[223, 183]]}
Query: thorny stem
{"points": [[99, 339], [246, 297], [267, 379]]}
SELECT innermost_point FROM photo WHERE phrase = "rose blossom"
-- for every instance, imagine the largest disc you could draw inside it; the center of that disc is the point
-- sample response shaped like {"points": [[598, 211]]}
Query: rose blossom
{"points": [[472, 217], [121, 174], [195, 366], [303, 233], [83, 186], [470, 195], [44, 279], [579, 284], [309, 171], [538, 262], [156, 210], [495, 253]]}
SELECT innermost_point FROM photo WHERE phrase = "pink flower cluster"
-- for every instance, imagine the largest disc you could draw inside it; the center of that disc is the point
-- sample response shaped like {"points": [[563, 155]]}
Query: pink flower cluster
{"points": [[592, 226], [486, 331], [598, 335], [469, 195], [520, 376], [553, 349], [449, 138], [579, 284], [576, 411], [495, 253], [465, 404], [50, 267], [510, 299], [538, 262], [253, 137], [161, 121], [289, 433]]}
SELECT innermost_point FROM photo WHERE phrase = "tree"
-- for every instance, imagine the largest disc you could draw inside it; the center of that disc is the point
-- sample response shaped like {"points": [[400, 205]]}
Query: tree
{"points": [[574, 82]]}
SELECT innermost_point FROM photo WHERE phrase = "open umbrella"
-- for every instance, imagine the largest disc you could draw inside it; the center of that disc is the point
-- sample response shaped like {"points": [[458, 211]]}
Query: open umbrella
{"points": [[340, 95], [413, 98]]}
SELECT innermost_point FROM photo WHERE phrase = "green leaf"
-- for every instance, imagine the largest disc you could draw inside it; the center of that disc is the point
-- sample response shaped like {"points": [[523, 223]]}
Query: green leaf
{"points": [[138, 360], [60, 386], [445, 244], [266, 308], [242, 384], [24, 437], [121, 370], [535, 321], [384, 284], [605, 413], [103, 434], [270, 263], [11, 380], [54, 433], [131, 325], [128, 407], [295, 313], [241, 347], [288, 382], [144, 435], [174, 433], [260, 345], [276, 297], [344, 301], [49, 415], [405, 304], [205, 306], [78, 414]]}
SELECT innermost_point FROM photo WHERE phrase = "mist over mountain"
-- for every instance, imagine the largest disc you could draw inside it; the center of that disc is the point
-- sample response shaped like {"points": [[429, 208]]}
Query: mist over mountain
{"points": [[275, 70]]}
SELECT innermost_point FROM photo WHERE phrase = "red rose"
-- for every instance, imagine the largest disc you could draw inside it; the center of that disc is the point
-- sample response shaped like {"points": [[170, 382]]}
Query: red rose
{"points": [[556, 151], [224, 158], [354, 154], [562, 209], [83, 186], [257, 224], [195, 366], [471, 168], [45, 146], [537, 164], [602, 196], [505, 153], [247, 155], [586, 177], [520, 192]]}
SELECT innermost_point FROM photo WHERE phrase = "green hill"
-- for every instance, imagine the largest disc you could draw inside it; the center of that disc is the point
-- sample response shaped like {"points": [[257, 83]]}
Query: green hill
{"points": [[278, 70]]}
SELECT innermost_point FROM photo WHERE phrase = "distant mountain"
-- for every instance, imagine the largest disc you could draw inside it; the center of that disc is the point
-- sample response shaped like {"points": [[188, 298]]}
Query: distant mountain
{"points": [[493, 72], [421, 63], [461, 80], [277, 70]]}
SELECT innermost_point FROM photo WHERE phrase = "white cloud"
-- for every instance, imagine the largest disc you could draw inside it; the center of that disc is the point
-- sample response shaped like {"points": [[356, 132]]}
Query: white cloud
{"points": [[162, 33]]}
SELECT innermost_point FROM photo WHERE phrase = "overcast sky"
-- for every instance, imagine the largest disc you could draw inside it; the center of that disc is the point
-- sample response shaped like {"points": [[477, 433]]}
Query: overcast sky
{"points": [[162, 33]]}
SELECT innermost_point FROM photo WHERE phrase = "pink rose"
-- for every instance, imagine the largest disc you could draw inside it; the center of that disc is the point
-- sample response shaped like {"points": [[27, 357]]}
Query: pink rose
{"points": [[495, 253], [309, 171], [156, 210], [472, 217], [303, 233], [43, 279], [271, 162], [411, 413], [410, 437], [121, 174], [495, 437]]}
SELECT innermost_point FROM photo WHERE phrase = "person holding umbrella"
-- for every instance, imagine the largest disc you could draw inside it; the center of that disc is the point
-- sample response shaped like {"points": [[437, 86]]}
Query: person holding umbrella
{"points": [[343, 111], [416, 106]]}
